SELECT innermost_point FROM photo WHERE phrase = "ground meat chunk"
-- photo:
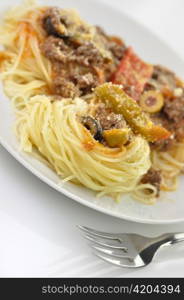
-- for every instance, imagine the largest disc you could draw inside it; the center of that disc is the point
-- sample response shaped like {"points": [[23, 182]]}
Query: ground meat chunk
{"points": [[55, 23], [174, 109], [171, 116], [109, 119], [164, 77], [163, 145], [166, 144], [114, 44], [55, 49], [53, 15], [87, 55], [78, 64], [72, 68], [179, 130], [117, 50], [176, 127], [64, 87], [153, 177], [149, 87], [85, 82]]}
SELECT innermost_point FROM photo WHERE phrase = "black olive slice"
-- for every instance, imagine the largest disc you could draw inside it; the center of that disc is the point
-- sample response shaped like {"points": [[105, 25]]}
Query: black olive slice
{"points": [[51, 29], [94, 127]]}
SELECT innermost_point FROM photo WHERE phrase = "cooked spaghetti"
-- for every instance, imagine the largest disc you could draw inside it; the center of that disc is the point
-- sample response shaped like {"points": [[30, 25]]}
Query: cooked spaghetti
{"points": [[72, 151], [26, 72], [125, 136]]}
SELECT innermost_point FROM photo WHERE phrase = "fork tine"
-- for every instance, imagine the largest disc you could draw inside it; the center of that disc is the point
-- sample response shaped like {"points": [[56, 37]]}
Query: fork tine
{"points": [[111, 252], [121, 262], [101, 234], [110, 245]]}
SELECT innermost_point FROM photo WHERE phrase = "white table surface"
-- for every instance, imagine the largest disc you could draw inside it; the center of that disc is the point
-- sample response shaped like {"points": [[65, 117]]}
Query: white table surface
{"points": [[38, 225]]}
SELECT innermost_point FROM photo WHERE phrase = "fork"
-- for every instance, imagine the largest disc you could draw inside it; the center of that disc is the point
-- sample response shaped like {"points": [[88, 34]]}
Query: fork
{"points": [[128, 250]]}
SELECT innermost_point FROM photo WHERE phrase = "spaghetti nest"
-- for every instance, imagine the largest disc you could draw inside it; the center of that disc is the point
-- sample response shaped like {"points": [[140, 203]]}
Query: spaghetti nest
{"points": [[53, 128]]}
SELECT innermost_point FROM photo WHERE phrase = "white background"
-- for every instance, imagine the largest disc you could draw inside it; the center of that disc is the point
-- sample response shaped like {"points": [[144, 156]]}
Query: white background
{"points": [[38, 235]]}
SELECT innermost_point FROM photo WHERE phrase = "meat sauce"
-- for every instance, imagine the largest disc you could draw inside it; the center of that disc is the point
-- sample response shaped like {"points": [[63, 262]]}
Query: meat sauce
{"points": [[79, 63], [154, 177], [171, 116]]}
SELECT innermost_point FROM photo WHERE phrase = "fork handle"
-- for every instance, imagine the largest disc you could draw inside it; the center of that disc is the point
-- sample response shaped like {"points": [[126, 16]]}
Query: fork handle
{"points": [[173, 238], [177, 238]]}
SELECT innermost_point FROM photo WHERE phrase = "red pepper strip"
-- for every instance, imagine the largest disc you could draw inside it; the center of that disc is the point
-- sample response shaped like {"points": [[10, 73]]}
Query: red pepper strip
{"points": [[132, 73]]}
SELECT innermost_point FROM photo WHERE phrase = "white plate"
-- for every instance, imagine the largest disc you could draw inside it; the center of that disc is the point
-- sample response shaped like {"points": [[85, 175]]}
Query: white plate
{"points": [[150, 48]]}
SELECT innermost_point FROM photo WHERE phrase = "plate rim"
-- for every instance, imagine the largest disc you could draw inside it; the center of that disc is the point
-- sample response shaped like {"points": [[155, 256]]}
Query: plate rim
{"points": [[60, 189]]}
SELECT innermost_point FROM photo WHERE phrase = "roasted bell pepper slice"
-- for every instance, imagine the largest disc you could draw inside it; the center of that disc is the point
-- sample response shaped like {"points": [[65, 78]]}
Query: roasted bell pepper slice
{"points": [[114, 96], [132, 73], [117, 137]]}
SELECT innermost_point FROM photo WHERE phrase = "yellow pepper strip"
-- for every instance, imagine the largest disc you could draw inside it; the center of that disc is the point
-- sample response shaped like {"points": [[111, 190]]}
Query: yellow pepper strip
{"points": [[117, 137], [114, 96]]}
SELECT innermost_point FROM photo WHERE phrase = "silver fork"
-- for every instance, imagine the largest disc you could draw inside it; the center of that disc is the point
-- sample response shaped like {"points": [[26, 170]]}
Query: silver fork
{"points": [[128, 250]]}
